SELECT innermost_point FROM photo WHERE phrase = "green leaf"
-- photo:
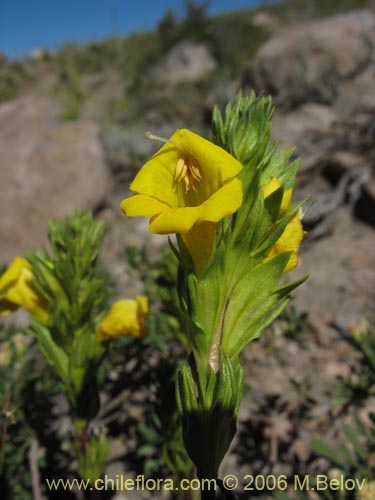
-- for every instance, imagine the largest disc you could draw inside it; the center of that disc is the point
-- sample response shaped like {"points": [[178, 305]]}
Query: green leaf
{"points": [[322, 449], [249, 302], [353, 439], [54, 355]]}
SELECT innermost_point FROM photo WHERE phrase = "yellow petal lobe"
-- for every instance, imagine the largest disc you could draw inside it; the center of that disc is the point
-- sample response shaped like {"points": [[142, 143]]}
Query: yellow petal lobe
{"points": [[289, 241], [271, 186], [17, 290], [125, 317]]}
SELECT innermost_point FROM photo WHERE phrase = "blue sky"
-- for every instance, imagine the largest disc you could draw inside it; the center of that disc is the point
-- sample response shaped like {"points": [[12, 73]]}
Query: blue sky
{"points": [[27, 24]]}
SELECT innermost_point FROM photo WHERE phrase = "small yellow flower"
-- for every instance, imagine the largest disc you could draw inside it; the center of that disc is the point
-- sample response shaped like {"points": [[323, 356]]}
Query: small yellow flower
{"points": [[293, 234], [17, 290], [125, 317], [186, 188]]}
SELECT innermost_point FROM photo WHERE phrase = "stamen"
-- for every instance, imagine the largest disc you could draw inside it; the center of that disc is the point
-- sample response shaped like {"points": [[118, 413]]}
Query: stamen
{"points": [[181, 170], [149, 135], [185, 169], [195, 173]]}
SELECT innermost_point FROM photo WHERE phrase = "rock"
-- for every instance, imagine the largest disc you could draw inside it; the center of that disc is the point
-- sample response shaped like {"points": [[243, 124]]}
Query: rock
{"points": [[267, 21], [356, 94], [339, 163], [313, 54], [292, 128], [48, 170], [336, 285], [302, 449], [307, 128], [186, 61]]}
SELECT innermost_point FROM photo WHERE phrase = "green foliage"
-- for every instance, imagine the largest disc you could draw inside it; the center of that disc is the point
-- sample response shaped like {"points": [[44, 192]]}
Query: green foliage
{"points": [[352, 452], [168, 29], [237, 280], [96, 449], [359, 384], [353, 458], [165, 322], [244, 129], [69, 89], [307, 9], [27, 389], [234, 40], [161, 447], [209, 409], [74, 291], [163, 450], [196, 23], [237, 295], [293, 322], [73, 288], [194, 26], [12, 78]]}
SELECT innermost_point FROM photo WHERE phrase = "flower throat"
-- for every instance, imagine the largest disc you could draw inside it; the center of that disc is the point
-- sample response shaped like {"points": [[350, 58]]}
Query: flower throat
{"points": [[187, 168]]}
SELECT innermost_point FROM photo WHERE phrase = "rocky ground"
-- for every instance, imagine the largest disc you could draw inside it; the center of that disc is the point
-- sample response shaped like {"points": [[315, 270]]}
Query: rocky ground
{"points": [[325, 102]]}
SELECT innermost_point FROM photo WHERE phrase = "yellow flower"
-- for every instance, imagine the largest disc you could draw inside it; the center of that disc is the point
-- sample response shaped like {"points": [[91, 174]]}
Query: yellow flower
{"points": [[293, 234], [125, 317], [17, 290], [186, 188]]}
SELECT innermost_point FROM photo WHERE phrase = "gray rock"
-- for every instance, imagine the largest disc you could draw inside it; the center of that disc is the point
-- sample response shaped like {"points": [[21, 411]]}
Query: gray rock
{"points": [[357, 94], [292, 128], [313, 54], [341, 272], [267, 21], [186, 61], [48, 170]]}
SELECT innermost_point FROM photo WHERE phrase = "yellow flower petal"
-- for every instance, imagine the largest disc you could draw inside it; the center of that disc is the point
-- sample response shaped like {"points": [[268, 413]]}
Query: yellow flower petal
{"points": [[125, 317], [156, 178], [141, 205], [17, 290], [175, 220], [289, 241], [217, 165], [200, 243], [225, 201], [271, 186], [13, 272]]}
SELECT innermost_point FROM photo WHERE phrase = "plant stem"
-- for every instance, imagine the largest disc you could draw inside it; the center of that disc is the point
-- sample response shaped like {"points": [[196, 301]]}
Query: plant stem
{"points": [[34, 470], [229, 495], [207, 494]]}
